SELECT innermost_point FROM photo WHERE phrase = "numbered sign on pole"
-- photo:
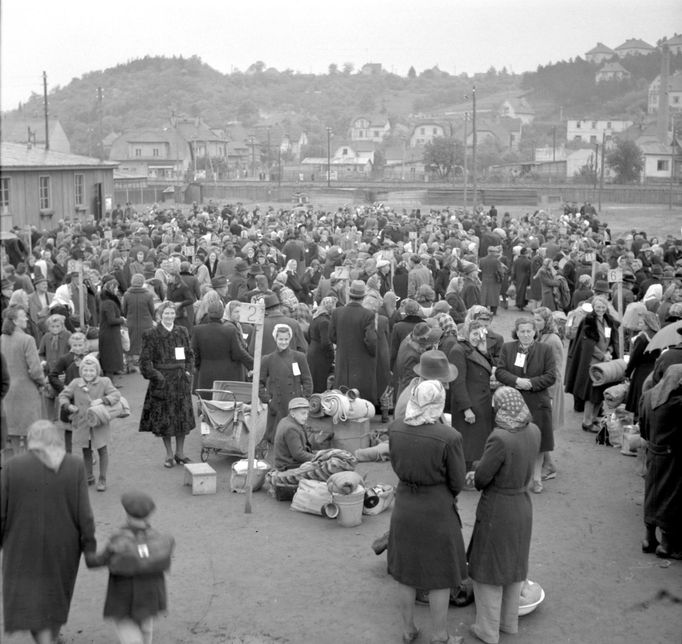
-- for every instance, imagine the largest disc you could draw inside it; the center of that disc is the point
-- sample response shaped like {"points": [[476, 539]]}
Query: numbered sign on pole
{"points": [[615, 276], [251, 313]]}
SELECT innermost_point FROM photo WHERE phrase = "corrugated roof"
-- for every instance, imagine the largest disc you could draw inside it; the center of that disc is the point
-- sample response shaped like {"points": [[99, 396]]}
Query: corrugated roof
{"points": [[19, 155]]}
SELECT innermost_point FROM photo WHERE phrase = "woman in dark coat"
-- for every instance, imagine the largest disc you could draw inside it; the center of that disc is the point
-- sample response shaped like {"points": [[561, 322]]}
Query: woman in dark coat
{"points": [[218, 353], [470, 393], [321, 350], [529, 366], [138, 309], [110, 348], [641, 362], [166, 361], [284, 374], [492, 271], [45, 524], [500, 543], [182, 293], [596, 341], [520, 276], [427, 457], [661, 409]]}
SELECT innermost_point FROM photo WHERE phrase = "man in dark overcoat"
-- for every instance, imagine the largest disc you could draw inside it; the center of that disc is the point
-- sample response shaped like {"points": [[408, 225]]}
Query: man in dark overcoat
{"points": [[353, 330], [520, 275]]}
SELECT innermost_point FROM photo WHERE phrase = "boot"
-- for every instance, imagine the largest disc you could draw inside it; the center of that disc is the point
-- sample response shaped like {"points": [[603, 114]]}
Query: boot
{"points": [[650, 542], [668, 549]]}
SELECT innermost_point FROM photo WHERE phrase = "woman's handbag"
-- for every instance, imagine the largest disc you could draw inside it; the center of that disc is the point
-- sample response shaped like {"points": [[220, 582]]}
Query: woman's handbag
{"points": [[125, 339]]}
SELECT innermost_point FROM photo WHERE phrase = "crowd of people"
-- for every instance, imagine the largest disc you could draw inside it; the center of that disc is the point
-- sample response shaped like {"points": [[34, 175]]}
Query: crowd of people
{"points": [[399, 307]]}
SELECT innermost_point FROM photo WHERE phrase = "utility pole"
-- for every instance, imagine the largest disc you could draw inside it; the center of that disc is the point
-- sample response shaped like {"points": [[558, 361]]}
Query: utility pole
{"points": [[672, 165], [466, 178], [100, 147], [253, 155], [47, 122], [554, 143], [268, 155], [329, 157], [601, 170], [473, 151]]}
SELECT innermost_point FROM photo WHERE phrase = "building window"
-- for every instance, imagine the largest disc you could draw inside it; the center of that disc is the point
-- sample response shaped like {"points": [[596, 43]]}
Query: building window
{"points": [[435, 131], [345, 152], [594, 125], [593, 139], [4, 195], [138, 152], [44, 192], [662, 166], [376, 134], [155, 152], [578, 138], [608, 125], [676, 99], [79, 189], [578, 125], [422, 130]]}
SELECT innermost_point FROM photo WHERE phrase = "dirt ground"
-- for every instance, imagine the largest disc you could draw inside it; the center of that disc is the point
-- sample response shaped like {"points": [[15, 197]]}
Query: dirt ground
{"points": [[277, 576]]}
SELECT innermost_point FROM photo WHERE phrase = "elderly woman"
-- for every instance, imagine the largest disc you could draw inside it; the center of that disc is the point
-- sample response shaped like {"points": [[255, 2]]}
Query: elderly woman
{"points": [[426, 455], [528, 365], [453, 297], [111, 320], [500, 543], [138, 308], [284, 375], [321, 350], [546, 326], [166, 361], [22, 403], [660, 412], [470, 395], [641, 362], [596, 341]]}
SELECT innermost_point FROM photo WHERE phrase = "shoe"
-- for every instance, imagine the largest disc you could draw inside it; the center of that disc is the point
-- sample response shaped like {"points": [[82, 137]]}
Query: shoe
{"points": [[549, 474], [463, 595], [381, 544], [593, 429], [649, 547], [422, 597], [183, 460], [450, 640], [169, 462], [411, 637], [536, 487], [474, 630], [101, 485]]}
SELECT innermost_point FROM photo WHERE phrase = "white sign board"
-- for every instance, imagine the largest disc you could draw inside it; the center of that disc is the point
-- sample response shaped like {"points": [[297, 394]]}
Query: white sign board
{"points": [[615, 275], [251, 313]]}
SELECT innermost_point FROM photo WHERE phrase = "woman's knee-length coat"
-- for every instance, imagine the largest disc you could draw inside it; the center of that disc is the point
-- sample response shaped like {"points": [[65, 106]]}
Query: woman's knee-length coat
{"points": [[110, 321], [138, 308], [167, 409]]}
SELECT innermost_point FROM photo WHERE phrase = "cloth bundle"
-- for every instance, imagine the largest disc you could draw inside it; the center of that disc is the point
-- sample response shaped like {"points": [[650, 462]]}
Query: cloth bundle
{"points": [[604, 373], [616, 394], [336, 405], [359, 409], [324, 464], [311, 497], [374, 454], [344, 482], [340, 406], [102, 414]]}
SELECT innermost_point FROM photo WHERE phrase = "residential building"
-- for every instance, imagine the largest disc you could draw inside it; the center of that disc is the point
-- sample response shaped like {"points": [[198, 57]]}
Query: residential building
{"points": [[593, 130], [675, 44], [517, 108], [674, 93], [658, 157], [404, 163], [17, 128], [612, 71], [504, 133], [426, 131], [599, 53], [38, 187], [369, 128], [634, 47], [157, 153], [349, 160]]}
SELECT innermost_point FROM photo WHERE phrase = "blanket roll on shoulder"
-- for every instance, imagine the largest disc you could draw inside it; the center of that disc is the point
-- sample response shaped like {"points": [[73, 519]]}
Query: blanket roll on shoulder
{"points": [[604, 373], [616, 394]]}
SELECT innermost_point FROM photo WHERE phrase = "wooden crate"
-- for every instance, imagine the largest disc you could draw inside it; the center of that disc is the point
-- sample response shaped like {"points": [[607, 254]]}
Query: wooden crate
{"points": [[202, 477]]}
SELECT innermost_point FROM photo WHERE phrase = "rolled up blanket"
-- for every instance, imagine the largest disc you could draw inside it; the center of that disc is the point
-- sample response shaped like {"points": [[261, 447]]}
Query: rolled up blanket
{"points": [[604, 373], [616, 394], [335, 404], [344, 482], [97, 415], [359, 408], [316, 406]]}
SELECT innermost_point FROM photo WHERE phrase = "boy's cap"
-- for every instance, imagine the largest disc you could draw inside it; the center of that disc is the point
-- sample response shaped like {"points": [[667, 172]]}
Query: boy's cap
{"points": [[138, 504]]}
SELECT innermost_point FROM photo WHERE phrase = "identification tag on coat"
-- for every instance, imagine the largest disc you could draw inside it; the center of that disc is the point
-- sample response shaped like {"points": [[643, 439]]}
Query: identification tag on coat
{"points": [[295, 368], [607, 332], [520, 360], [179, 353]]}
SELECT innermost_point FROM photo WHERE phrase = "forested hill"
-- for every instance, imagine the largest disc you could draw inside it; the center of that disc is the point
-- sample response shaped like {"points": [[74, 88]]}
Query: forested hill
{"points": [[147, 91]]}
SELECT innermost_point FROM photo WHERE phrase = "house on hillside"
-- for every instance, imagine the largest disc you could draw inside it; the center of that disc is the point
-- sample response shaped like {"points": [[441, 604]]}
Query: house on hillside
{"points": [[426, 131], [349, 160], [593, 130], [675, 44], [369, 128], [504, 133], [21, 129], [599, 53], [660, 157], [674, 93], [38, 187], [203, 140], [611, 71], [517, 108], [634, 47], [371, 69], [403, 163]]}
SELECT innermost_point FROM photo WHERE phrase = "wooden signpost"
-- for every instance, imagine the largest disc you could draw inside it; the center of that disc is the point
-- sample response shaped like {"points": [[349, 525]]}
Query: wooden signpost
{"points": [[253, 314]]}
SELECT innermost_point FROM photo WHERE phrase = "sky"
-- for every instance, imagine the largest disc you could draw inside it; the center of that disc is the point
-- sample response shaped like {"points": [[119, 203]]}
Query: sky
{"points": [[69, 38]]}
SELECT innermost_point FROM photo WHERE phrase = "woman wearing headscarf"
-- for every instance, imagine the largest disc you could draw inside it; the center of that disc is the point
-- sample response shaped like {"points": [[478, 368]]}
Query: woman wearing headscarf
{"points": [[110, 346], [46, 523], [641, 362], [231, 316], [284, 375], [427, 457], [528, 365], [23, 400], [500, 543], [138, 309], [166, 361], [660, 425], [321, 350], [458, 309], [470, 395]]}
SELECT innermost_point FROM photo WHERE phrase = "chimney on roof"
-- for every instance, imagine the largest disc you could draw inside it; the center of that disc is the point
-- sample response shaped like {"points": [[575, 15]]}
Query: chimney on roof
{"points": [[663, 97]]}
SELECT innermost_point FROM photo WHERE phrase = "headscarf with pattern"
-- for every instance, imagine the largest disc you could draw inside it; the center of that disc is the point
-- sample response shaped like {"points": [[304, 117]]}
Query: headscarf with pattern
{"points": [[512, 413]]}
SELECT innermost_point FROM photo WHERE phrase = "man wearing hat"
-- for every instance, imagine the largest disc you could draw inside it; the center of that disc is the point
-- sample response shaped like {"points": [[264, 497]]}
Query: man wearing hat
{"points": [[291, 447], [219, 285], [417, 275], [353, 330], [471, 285], [424, 336], [238, 286], [492, 271]]}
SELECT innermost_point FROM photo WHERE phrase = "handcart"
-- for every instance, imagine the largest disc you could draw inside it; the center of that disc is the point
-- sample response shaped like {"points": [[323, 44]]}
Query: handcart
{"points": [[226, 419]]}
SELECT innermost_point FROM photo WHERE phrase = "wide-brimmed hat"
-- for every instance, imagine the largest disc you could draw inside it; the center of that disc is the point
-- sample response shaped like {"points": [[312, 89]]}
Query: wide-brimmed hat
{"points": [[601, 286], [358, 290], [270, 300], [469, 267], [424, 333], [219, 281], [434, 365]]}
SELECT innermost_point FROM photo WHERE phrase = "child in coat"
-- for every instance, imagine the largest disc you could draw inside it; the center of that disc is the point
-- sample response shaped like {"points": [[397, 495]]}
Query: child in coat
{"points": [[53, 345], [89, 390], [133, 601]]}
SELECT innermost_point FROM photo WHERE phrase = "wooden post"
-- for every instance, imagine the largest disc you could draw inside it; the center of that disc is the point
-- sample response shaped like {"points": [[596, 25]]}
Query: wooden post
{"points": [[81, 298], [621, 332], [253, 314]]}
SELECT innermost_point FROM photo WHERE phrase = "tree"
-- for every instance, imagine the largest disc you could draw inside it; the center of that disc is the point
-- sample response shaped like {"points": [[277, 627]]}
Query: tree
{"points": [[348, 68], [256, 68], [627, 161], [411, 73], [333, 69], [367, 103], [442, 154]]}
